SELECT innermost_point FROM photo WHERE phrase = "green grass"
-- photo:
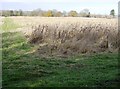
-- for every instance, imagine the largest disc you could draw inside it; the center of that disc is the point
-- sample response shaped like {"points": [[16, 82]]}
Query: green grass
{"points": [[24, 68], [9, 24]]}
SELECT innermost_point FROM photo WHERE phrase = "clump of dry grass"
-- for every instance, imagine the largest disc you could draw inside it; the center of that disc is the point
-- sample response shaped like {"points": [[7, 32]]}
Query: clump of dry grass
{"points": [[70, 38]]}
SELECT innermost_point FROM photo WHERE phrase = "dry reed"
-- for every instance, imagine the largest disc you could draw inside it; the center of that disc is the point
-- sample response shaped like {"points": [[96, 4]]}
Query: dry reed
{"points": [[70, 38]]}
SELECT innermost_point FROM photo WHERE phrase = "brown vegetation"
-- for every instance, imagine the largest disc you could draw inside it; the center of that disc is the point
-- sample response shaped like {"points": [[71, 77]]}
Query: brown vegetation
{"points": [[70, 38]]}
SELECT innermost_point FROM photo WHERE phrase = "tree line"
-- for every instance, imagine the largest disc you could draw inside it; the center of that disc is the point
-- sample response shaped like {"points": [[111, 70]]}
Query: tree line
{"points": [[52, 13]]}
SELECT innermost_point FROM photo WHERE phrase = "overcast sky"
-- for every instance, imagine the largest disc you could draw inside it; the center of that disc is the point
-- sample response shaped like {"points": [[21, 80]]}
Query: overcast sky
{"points": [[95, 6]]}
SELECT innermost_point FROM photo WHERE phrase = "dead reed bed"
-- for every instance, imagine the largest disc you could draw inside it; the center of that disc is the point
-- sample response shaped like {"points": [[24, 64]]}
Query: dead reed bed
{"points": [[70, 38]]}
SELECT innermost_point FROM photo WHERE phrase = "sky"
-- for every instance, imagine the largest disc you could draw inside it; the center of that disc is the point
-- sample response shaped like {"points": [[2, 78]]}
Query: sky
{"points": [[94, 6]]}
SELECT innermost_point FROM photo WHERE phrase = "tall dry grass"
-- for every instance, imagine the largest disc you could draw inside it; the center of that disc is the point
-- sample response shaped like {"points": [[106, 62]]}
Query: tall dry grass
{"points": [[74, 37]]}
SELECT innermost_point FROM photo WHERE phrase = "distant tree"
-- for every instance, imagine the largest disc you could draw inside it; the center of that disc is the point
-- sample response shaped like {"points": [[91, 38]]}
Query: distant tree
{"points": [[0, 12], [20, 13], [73, 13], [37, 12], [85, 13], [112, 12], [27, 13], [11, 13], [34, 13], [88, 15], [58, 14], [49, 13], [16, 13], [54, 12], [5, 13], [64, 13]]}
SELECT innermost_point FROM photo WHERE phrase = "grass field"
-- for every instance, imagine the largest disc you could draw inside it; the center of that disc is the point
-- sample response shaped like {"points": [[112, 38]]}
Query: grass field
{"points": [[24, 67], [9, 24]]}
